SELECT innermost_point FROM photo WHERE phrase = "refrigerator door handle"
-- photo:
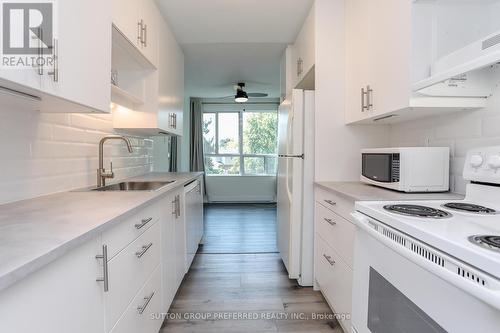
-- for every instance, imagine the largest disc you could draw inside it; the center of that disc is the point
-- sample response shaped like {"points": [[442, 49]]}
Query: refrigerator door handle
{"points": [[291, 156]]}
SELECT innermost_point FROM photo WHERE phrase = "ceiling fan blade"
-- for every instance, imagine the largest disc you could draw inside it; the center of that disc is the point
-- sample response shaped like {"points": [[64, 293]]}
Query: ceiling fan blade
{"points": [[257, 94]]}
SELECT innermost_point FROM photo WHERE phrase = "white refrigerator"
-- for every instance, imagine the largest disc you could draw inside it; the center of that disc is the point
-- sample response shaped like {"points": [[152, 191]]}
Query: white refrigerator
{"points": [[295, 229]]}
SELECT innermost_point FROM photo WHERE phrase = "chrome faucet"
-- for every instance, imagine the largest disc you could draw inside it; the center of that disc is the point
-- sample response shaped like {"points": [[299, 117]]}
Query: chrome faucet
{"points": [[102, 174]]}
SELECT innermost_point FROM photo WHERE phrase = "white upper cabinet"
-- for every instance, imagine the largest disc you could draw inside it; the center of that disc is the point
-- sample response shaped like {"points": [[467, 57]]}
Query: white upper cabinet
{"points": [[304, 51], [150, 102], [389, 47], [78, 63], [136, 20], [82, 54], [286, 73], [171, 82]]}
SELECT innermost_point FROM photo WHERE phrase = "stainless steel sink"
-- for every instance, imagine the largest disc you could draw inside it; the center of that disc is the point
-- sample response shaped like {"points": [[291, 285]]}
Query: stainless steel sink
{"points": [[134, 186]]}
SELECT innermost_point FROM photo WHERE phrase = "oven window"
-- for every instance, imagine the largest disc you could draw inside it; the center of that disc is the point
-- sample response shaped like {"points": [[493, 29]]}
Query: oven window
{"points": [[377, 167], [389, 311]]}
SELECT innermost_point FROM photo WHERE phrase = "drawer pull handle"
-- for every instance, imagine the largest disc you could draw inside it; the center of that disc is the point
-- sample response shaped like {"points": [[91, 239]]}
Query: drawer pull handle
{"points": [[145, 249], [330, 221], [330, 202], [329, 259], [147, 299], [143, 223], [105, 275]]}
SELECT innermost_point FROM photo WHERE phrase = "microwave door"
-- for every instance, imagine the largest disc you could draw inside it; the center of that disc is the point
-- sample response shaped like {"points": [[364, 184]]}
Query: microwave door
{"points": [[377, 167]]}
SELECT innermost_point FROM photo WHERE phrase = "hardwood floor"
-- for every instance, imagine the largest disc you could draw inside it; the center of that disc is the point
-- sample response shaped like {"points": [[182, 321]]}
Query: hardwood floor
{"points": [[232, 290], [234, 228]]}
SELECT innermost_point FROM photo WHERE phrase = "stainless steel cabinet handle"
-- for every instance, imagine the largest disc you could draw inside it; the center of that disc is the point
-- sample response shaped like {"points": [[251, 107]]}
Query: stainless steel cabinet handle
{"points": [[105, 275], [364, 106], [143, 223], [330, 221], [174, 206], [139, 32], [178, 206], [329, 259], [145, 35], [147, 299], [144, 249], [330, 202], [369, 94], [55, 56]]}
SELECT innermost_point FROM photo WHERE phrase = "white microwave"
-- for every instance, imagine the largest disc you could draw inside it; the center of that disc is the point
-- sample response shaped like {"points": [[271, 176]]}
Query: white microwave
{"points": [[408, 169]]}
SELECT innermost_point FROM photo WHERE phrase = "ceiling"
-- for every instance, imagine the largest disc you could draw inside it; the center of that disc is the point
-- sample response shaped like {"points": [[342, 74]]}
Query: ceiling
{"points": [[228, 41]]}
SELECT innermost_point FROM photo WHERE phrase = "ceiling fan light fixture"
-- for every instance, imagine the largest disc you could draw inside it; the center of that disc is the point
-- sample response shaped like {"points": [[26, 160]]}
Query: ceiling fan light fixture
{"points": [[241, 96]]}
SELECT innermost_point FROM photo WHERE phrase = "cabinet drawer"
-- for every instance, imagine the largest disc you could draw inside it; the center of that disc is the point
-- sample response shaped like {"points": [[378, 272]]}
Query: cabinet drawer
{"points": [[130, 228], [129, 270], [334, 278], [340, 205], [336, 231], [137, 317]]}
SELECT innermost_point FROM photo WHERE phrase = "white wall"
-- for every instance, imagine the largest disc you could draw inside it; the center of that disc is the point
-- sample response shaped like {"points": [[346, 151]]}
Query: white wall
{"points": [[337, 153], [241, 189], [461, 132], [46, 153]]}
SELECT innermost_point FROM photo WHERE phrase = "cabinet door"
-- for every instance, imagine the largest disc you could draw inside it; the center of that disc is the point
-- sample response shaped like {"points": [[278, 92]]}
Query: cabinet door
{"points": [[126, 17], [358, 55], [171, 82], [61, 297], [169, 277], [180, 239], [150, 16], [390, 46], [29, 75], [83, 51]]}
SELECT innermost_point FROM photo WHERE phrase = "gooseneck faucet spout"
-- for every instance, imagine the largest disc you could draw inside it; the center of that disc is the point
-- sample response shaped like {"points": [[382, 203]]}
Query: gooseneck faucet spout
{"points": [[102, 174]]}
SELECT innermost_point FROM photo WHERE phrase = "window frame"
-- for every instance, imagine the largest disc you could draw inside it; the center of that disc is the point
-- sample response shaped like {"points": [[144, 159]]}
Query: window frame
{"points": [[241, 154]]}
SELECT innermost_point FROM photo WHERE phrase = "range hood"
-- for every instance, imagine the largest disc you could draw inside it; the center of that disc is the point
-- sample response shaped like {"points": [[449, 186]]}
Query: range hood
{"points": [[469, 69]]}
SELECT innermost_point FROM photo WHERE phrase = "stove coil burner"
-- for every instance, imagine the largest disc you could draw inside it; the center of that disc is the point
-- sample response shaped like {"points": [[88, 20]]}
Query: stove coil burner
{"points": [[469, 208], [418, 211], [487, 241]]}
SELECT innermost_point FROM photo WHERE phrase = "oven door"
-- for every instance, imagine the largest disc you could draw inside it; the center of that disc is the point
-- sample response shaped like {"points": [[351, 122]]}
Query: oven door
{"points": [[394, 294], [378, 167]]}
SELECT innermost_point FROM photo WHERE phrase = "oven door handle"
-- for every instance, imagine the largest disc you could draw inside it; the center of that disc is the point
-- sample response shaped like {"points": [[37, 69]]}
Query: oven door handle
{"points": [[488, 296]]}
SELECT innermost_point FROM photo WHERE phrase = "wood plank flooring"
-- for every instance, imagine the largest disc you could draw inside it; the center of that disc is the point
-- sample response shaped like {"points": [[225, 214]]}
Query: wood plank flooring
{"points": [[232, 290], [235, 228]]}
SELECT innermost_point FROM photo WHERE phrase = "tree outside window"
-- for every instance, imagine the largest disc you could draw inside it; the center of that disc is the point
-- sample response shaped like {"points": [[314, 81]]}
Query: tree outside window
{"points": [[240, 143]]}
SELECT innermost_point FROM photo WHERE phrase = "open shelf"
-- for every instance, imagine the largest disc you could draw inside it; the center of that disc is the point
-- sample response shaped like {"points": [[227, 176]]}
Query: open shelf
{"points": [[125, 98]]}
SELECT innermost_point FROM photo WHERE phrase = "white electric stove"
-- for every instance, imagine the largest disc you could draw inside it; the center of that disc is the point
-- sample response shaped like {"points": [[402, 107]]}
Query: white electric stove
{"points": [[431, 266]]}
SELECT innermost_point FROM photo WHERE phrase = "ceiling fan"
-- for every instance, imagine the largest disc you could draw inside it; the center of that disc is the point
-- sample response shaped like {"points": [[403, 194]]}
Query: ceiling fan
{"points": [[242, 96]]}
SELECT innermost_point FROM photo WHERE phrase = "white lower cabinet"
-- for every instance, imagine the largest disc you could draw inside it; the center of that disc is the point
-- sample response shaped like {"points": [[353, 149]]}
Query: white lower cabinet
{"points": [[168, 254], [145, 261], [142, 313], [129, 270], [180, 238], [335, 280], [61, 297], [334, 251]]}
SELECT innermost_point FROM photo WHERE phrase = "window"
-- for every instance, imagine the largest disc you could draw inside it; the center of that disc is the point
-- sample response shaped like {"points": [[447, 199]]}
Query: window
{"points": [[240, 143]]}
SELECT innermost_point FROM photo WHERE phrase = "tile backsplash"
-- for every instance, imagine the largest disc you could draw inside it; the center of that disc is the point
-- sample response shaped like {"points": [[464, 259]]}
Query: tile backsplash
{"points": [[44, 153], [459, 131]]}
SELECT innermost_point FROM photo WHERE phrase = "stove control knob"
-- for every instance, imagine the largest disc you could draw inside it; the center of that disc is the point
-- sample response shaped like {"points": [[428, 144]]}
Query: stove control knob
{"points": [[494, 161], [476, 161]]}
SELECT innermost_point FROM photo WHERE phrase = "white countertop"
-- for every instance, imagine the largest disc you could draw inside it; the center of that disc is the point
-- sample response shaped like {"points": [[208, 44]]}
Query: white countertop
{"points": [[358, 191], [37, 231]]}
